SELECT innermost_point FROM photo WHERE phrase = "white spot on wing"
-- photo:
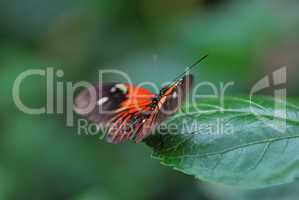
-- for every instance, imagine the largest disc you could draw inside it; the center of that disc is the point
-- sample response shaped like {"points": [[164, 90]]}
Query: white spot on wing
{"points": [[122, 88], [175, 95], [113, 89], [103, 100]]}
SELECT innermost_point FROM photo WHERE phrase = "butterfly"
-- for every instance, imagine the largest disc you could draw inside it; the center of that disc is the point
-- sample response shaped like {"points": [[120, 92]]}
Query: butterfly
{"points": [[129, 112]]}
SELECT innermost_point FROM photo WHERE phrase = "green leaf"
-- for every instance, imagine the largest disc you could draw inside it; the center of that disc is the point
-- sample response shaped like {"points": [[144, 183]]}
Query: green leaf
{"points": [[239, 142], [281, 192]]}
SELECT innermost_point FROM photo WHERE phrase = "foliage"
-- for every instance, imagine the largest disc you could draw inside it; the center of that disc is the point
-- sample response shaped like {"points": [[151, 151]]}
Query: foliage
{"points": [[242, 143]]}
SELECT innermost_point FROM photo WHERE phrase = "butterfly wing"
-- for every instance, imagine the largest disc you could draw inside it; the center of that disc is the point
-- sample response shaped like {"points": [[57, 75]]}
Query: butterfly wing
{"points": [[116, 107], [173, 97], [102, 101]]}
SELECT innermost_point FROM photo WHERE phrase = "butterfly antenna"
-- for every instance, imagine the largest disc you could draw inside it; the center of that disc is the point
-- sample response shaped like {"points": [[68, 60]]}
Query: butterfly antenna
{"points": [[191, 67]]}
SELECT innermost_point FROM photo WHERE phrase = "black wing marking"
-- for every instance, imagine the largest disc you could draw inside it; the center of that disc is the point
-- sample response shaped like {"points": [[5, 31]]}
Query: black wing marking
{"points": [[107, 101]]}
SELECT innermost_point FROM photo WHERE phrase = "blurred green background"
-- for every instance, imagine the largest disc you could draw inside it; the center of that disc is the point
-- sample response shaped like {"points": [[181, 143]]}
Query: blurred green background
{"points": [[151, 40]]}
